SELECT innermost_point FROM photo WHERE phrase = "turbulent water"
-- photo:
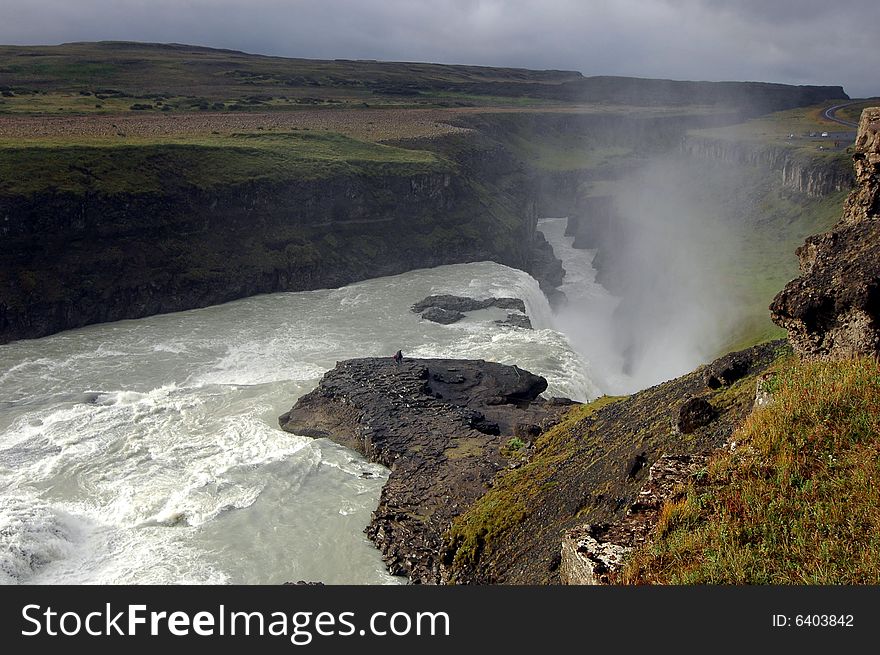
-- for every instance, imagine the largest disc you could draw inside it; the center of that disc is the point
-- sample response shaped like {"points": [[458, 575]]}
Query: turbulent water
{"points": [[586, 315], [148, 451]]}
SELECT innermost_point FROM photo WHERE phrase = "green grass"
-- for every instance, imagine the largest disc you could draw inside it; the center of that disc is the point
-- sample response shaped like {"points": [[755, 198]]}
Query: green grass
{"points": [[853, 112], [566, 155], [766, 259], [508, 502], [777, 128], [459, 98], [211, 75], [148, 165], [798, 502]]}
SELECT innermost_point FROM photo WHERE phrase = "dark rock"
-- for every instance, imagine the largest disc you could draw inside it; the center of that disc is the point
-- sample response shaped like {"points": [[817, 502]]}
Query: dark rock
{"points": [[97, 240], [304, 583], [727, 370], [833, 308], [443, 453], [695, 413], [547, 269], [636, 464], [464, 304], [442, 316], [517, 320], [479, 422], [452, 303], [509, 303], [526, 431]]}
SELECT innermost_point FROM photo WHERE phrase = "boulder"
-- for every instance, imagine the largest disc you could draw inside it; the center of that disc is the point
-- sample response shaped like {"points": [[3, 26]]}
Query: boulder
{"points": [[452, 303], [695, 413], [727, 370], [442, 316], [517, 320]]}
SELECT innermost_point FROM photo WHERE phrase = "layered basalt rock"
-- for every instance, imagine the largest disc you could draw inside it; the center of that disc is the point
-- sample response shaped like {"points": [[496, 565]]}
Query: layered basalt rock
{"points": [[833, 308]]}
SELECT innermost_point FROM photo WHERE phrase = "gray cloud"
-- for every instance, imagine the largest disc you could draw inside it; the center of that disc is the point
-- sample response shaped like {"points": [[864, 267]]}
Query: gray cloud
{"points": [[791, 41]]}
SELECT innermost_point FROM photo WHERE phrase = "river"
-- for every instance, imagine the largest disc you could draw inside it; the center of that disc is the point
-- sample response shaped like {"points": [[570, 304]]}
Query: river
{"points": [[148, 451]]}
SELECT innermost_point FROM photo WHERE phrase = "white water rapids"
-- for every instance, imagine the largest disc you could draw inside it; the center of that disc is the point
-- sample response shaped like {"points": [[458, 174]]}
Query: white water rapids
{"points": [[148, 451]]}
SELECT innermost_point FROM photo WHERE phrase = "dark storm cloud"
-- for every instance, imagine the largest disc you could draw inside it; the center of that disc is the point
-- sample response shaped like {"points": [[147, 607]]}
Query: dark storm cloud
{"points": [[793, 41]]}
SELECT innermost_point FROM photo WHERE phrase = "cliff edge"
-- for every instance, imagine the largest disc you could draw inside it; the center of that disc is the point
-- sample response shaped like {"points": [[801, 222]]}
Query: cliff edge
{"points": [[833, 308]]}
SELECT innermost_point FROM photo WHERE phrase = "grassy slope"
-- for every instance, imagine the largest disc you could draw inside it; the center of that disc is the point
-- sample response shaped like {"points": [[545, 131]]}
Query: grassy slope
{"points": [[578, 473], [150, 164], [766, 262], [773, 227], [791, 129], [189, 78], [797, 503], [510, 500]]}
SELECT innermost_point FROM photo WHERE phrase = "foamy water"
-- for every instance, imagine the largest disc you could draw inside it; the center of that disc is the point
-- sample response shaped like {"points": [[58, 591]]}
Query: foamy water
{"points": [[148, 451]]}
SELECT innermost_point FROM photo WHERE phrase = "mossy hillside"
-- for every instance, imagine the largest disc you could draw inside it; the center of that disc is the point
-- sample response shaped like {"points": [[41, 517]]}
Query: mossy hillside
{"points": [[798, 502], [187, 78], [553, 141], [508, 502], [580, 472], [774, 228], [156, 166]]}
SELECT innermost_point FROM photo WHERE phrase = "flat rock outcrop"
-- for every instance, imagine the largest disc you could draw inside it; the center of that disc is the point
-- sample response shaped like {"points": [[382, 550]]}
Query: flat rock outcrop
{"points": [[464, 304], [442, 316], [447, 309], [440, 425], [833, 308]]}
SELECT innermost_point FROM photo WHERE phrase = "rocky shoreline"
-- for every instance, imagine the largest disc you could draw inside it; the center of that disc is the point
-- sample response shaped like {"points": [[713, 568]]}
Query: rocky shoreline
{"points": [[457, 433], [444, 427]]}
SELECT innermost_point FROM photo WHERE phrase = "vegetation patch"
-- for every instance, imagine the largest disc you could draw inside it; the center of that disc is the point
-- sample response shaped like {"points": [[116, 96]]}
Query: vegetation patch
{"points": [[509, 500], [152, 164], [798, 502], [770, 230]]}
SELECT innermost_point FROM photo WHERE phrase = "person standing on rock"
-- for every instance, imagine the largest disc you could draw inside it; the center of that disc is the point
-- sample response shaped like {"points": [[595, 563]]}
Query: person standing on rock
{"points": [[397, 357]]}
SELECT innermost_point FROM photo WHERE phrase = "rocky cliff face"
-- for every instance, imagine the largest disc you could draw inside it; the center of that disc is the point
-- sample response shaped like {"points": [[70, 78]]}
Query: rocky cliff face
{"points": [[833, 308], [442, 426], [812, 177], [73, 259]]}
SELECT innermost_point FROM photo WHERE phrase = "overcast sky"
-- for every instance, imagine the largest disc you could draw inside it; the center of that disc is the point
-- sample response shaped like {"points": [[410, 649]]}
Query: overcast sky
{"points": [[791, 41]]}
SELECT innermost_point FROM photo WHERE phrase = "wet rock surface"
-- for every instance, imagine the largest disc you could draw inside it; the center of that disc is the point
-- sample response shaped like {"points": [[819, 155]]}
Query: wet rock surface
{"points": [[517, 320], [440, 425], [464, 304], [447, 309], [833, 308], [442, 316]]}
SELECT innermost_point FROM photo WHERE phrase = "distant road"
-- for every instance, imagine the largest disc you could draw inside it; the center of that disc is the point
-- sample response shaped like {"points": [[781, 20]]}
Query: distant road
{"points": [[831, 111]]}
